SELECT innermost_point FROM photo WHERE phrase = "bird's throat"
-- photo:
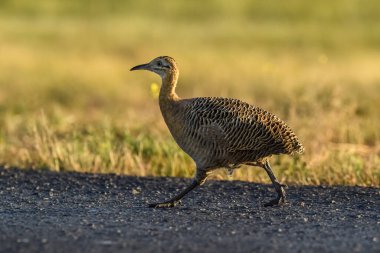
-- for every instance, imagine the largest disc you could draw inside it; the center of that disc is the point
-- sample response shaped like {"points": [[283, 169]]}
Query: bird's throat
{"points": [[167, 91]]}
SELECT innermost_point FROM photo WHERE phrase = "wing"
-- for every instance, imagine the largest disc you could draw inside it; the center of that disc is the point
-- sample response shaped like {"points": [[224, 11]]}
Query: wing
{"points": [[235, 125]]}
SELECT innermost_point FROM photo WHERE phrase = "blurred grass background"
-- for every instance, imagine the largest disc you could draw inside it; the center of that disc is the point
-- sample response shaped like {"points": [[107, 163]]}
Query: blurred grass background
{"points": [[68, 101]]}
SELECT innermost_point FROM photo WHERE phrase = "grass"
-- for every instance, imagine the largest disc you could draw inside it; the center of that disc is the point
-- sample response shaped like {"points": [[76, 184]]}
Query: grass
{"points": [[68, 101]]}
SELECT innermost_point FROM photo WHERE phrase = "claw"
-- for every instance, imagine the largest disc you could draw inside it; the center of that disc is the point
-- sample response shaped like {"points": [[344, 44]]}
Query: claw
{"points": [[281, 198], [165, 204], [275, 202]]}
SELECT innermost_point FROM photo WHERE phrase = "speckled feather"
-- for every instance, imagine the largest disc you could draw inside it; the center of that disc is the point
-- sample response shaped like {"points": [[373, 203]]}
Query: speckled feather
{"points": [[235, 131]]}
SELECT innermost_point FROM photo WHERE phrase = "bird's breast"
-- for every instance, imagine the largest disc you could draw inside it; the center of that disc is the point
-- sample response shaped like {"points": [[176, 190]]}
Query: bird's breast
{"points": [[173, 117]]}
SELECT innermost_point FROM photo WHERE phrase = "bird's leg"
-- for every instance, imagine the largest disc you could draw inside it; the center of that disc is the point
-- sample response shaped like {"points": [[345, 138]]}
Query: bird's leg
{"points": [[199, 179], [278, 187]]}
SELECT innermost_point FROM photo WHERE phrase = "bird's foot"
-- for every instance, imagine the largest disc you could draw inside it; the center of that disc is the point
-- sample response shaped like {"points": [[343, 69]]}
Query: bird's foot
{"points": [[281, 198], [165, 204], [275, 202]]}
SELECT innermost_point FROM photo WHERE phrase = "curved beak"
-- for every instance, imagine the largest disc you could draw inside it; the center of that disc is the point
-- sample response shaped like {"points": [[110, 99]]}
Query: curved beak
{"points": [[140, 67]]}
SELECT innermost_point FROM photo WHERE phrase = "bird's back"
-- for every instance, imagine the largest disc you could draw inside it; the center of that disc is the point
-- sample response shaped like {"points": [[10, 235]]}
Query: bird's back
{"points": [[222, 131]]}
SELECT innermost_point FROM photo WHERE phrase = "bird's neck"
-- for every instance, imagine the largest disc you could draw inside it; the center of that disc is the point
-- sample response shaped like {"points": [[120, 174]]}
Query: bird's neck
{"points": [[169, 83]]}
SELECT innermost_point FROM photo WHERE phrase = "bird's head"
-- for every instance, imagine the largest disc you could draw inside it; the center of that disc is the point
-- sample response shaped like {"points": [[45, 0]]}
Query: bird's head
{"points": [[162, 65]]}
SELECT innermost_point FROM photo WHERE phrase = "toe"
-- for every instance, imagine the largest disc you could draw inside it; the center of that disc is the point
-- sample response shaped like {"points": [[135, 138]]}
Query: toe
{"points": [[164, 204], [275, 202]]}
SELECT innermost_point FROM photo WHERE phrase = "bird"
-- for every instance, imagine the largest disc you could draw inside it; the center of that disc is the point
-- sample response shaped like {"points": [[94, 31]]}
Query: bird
{"points": [[220, 132]]}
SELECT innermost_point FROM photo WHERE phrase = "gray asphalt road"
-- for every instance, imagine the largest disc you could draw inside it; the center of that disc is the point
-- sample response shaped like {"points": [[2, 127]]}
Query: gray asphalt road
{"points": [[70, 212]]}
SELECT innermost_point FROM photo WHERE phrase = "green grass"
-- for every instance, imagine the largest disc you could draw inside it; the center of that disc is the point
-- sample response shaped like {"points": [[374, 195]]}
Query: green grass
{"points": [[69, 102]]}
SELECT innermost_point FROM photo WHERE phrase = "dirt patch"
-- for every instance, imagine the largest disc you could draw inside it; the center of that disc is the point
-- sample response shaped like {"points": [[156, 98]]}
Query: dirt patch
{"points": [[42, 211]]}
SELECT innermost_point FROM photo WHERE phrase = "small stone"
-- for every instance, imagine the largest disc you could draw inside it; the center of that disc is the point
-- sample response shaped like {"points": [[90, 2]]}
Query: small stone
{"points": [[136, 190], [106, 242], [23, 240]]}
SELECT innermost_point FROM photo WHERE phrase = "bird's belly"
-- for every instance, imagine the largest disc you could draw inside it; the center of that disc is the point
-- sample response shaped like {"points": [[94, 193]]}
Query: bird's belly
{"points": [[204, 152]]}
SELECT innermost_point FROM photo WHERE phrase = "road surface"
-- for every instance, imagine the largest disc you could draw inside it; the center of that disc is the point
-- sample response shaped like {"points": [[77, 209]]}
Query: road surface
{"points": [[42, 211]]}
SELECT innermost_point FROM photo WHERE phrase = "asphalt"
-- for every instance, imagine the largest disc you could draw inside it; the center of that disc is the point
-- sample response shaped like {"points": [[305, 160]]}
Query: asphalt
{"points": [[42, 211]]}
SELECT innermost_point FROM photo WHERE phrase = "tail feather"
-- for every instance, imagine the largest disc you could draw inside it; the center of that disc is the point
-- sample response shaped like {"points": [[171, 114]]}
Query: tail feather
{"points": [[293, 145]]}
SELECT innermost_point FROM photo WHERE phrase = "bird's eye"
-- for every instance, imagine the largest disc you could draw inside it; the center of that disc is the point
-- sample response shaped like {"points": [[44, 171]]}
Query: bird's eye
{"points": [[159, 63]]}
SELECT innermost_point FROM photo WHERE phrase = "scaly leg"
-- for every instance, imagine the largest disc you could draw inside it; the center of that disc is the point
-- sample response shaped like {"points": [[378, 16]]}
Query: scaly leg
{"points": [[281, 197], [199, 179]]}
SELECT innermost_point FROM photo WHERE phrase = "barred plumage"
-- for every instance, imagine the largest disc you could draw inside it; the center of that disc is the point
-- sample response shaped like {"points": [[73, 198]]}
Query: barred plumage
{"points": [[220, 132]]}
